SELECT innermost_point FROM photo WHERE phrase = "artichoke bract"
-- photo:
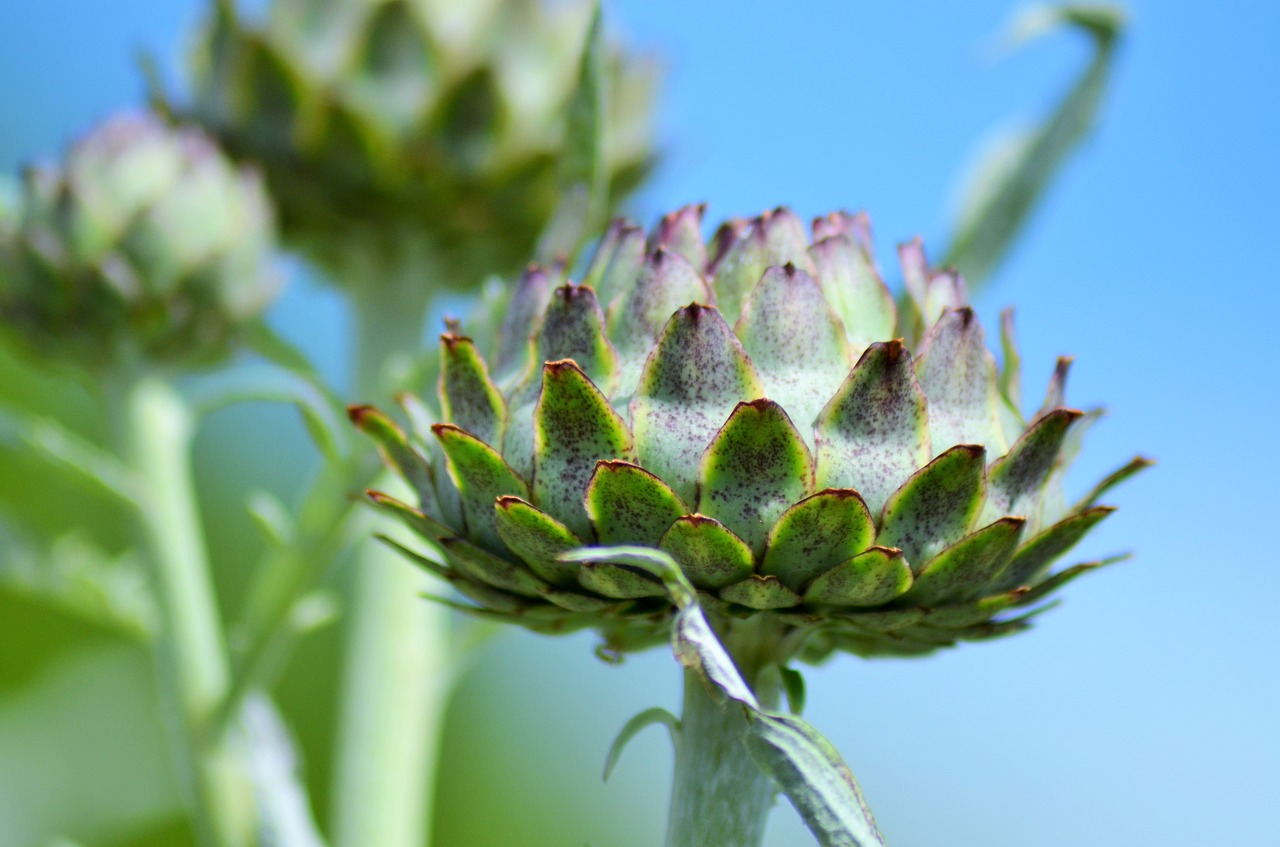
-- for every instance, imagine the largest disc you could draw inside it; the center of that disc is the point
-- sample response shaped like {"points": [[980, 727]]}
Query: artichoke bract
{"points": [[146, 243], [752, 406], [401, 132]]}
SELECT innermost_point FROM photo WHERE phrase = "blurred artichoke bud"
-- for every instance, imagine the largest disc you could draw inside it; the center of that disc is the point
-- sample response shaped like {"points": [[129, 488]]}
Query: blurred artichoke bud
{"points": [[146, 243], [751, 407], [413, 133]]}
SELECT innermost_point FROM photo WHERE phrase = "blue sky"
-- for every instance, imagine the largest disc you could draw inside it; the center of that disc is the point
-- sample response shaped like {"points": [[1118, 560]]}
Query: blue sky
{"points": [[1143, 710]]}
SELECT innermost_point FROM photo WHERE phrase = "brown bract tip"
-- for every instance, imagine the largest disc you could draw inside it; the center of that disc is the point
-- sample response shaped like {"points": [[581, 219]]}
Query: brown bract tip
{"points": [[559, 366], [452, 339], [893, 349], [357, 412], [506, 501], [891, 552], [440, 428]]}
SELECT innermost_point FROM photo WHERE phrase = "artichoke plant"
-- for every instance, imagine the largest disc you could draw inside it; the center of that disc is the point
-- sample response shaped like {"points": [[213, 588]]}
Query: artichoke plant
{"points": [[752, 407], [423, 133], [145, 244]]}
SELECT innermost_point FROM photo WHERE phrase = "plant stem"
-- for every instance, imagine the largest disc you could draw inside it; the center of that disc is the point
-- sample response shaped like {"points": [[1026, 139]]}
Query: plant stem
{"points": [[156, 431], [719, 795], [392, 698]]}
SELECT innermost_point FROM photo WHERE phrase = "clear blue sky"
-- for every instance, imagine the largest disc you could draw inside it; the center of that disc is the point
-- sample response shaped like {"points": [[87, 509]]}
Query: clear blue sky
{"points": [[1142, 711]]}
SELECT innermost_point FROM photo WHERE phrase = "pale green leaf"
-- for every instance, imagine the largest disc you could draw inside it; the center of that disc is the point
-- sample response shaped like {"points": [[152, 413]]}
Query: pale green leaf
{"points": [[1007, 187]]}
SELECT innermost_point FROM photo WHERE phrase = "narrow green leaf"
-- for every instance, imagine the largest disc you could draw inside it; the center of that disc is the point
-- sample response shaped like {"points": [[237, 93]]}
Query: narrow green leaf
{"points": [[491, 570], [272, 519], [1034, 557], [84, 461], [966, 569], [468, 397], [1016, 481], [1011, 367], [754, 470], [1006, 190], [618, 581], [1136, 464], [647, 718], [481, 477], [793, 684], [283, 809], [796, 757], [262, 382], [396, 450], [815, 779], [537, 538]]}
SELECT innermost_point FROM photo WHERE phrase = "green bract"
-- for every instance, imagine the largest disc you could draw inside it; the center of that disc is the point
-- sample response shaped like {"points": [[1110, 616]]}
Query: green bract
{"points": [[146, 243], [745, 406], [413, 132]]}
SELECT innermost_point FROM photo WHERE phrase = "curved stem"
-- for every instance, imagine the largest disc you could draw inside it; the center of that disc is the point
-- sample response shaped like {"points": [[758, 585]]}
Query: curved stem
{"points": [[156, 431], [719, 795], [392, 699]]}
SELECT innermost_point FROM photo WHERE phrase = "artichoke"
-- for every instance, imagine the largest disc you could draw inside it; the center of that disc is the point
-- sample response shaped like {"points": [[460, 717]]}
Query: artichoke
{"points": [[398, 133], [750, 406], [147, 243]]}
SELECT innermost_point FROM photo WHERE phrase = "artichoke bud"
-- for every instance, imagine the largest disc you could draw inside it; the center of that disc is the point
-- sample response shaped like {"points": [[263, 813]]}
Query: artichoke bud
{"points": [[413, 133], [144, 243], [749, 406]]}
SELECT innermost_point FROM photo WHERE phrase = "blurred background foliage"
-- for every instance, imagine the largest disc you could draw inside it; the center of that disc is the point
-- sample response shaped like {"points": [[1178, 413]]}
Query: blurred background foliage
{"points": [[1140, 712]]}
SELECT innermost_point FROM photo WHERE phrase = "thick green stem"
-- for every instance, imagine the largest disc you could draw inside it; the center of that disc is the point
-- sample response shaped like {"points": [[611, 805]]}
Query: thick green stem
{"points": [[392, 698], [156, 431], [719, 795]]}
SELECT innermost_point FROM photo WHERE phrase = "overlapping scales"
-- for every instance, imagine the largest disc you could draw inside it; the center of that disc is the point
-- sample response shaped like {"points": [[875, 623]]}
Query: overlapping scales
{"points": [[428, 132], [744, 405]]}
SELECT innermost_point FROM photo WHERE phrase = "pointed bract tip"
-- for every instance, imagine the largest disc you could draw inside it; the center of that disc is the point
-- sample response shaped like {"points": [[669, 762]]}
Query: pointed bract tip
{"points": [[452, 339], [559, 367], [893, 349], [359, 411], [452, 325], [441, 428]]}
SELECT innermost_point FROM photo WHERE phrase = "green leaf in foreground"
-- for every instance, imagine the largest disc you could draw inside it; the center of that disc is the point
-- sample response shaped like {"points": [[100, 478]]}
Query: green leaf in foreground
{"points": [[1006, 187], [802, 763]]}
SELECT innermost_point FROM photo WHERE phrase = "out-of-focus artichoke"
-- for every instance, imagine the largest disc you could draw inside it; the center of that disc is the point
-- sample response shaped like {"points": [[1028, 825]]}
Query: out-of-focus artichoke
{"points": [[146, 243], [751, 407], [423, 134]]}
